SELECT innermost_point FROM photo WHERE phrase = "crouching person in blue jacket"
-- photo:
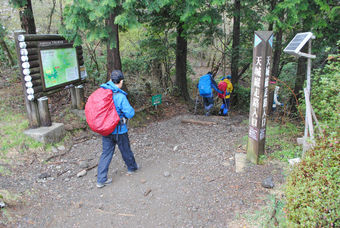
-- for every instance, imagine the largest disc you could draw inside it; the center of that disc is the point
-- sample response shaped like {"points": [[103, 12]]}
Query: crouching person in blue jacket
{"points": [[120, 135]]}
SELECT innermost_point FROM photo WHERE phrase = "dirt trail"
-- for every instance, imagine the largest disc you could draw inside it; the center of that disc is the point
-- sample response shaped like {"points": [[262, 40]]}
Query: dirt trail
{"points": [[187, 179]]}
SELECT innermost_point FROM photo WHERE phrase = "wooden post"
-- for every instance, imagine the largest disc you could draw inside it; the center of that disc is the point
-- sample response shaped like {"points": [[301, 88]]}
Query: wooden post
{"points": [[35, 114], [31, 105], [262, 55], [307, 91], [45, 117], [73, 97], [80, 97]]}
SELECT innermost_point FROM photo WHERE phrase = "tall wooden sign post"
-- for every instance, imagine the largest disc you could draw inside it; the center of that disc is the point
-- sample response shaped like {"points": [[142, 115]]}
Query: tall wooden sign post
{"points": [[262, 61]]}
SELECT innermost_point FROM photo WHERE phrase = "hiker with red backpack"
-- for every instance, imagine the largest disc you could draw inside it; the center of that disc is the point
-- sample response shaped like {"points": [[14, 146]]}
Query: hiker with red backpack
{"points": [[227, 87], [205, 85], [119, 134]]}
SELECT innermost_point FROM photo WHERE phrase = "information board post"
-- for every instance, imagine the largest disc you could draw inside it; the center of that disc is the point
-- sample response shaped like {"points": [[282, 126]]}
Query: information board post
{"points": [[44, 113], [73, 97], [31, 105], [80, 97], [262, 61]]}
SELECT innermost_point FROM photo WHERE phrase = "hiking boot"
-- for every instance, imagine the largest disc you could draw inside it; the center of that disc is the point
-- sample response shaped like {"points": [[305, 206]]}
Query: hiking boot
{"points": [[130, 172], [108, 181]]}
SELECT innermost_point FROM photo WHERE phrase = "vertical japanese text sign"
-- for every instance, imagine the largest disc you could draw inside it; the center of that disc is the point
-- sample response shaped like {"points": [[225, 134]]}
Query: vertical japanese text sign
{"points": [[262, 59]]}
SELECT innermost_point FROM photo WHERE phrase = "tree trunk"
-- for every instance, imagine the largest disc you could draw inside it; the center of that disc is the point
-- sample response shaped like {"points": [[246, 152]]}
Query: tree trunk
{"points": [[300, 79], [277, 53], [113, 55], [272, 7], [236, 43], [5, 48], [27, 18], [51, 16], [157, 73], [181, 62], [300, 75], [61, 12], [276, 65]]}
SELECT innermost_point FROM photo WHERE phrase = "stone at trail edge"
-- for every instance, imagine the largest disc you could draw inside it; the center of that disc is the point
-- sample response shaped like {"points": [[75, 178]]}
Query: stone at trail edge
{"points": [[54, 150], [83, 164], [61, 147], [268, 182], [81, 173], [44, 175]]}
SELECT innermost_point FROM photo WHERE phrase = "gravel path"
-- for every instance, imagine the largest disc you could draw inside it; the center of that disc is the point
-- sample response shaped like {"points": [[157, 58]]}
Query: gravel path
{"points": [[187, 179]]}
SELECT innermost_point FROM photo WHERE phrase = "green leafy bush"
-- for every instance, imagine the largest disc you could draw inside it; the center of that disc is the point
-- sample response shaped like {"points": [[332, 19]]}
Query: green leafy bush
{"points": [[241, 97], [281, 141], [312, 190], [325, 97], [313, 193]]}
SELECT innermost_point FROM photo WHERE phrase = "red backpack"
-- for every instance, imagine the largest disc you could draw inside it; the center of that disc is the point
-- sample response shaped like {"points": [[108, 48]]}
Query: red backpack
{"points": [[100, 111], [222, 85]]}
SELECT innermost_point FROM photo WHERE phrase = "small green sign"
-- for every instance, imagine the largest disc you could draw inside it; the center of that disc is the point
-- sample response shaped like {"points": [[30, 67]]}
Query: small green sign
{"points": [[157, 99]]}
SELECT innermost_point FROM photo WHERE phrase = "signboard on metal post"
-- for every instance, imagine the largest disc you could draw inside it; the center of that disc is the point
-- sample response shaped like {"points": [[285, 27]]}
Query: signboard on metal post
{"points": [[156, 100], [262, 61]]}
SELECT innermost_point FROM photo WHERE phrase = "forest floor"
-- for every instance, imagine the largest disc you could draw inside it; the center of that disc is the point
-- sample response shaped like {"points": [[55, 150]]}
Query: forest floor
{"points": [[187, 178]]}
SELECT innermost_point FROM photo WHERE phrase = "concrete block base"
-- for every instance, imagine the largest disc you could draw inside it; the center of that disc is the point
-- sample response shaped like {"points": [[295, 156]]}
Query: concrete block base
{"points": [[46, 135], [240, 162]]}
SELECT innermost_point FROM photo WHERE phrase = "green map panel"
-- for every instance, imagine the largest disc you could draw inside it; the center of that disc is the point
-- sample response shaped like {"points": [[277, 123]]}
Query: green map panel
{"points": [[59, 66]]}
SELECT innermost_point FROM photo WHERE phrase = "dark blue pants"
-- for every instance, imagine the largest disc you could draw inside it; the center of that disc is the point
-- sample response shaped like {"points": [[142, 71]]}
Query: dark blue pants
{"points": [[208, 103], [109, 145]]}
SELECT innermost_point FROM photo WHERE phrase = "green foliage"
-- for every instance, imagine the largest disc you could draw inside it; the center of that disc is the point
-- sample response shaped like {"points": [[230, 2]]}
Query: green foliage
{"points": [[264, 218], [89, 19], [321, 17], [325, 97], [8, 42], [13, 125], [313, 187], [13, 122], [242, 95], [281, 141], [95, 66], [135, 66]]}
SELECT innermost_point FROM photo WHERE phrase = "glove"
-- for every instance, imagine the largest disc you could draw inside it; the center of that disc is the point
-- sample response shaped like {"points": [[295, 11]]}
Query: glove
{"points": [[123, 120]]}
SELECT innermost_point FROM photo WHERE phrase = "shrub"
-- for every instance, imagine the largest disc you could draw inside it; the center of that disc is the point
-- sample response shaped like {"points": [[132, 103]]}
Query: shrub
{"points": [[241, 97], [326, 93], [312, 190]]}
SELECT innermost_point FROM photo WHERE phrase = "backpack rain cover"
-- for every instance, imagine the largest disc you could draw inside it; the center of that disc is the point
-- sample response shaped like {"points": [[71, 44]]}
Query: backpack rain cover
{"points": [[100, 111], [204, 86], [222, 85]]}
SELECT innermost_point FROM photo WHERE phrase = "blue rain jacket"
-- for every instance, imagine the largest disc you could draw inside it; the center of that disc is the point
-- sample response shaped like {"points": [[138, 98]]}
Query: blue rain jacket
{"points": [[123, 107]]}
